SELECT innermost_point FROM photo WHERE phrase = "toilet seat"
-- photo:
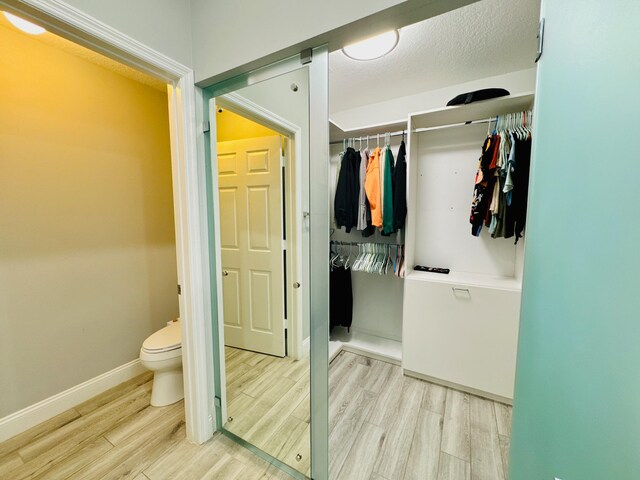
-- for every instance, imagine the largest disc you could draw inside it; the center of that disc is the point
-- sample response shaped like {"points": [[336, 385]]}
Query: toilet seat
{"points": [[164, 340]]}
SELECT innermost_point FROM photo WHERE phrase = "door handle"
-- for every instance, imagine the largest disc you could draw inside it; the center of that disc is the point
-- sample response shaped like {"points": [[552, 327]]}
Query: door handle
{"points": [[296, 285], [225, 273]]}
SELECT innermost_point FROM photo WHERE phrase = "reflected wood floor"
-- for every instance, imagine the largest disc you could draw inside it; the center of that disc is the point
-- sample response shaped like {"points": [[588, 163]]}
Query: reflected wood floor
{"points": [[383, 426], [268, 404]]}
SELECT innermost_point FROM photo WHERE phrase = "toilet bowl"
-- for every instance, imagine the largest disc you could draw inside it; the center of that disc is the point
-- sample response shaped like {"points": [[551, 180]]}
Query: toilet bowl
{"points": [[161, 353]]}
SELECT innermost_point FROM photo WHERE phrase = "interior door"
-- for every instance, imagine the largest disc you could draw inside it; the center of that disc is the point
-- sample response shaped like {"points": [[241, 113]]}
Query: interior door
{"points": [[250, 193]]}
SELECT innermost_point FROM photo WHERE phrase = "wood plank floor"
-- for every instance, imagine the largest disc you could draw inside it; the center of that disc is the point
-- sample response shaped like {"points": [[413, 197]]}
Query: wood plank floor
{"points": [[386, 426], [118, 435], [383, 426]]}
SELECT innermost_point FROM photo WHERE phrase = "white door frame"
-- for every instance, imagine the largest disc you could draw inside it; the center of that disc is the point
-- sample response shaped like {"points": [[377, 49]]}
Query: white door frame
{"points": [[248, 109], [189, 189]]}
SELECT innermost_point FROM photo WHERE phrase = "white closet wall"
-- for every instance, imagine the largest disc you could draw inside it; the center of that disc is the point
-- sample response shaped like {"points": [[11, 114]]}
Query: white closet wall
{"points": [[377, 299], [446, 169]]}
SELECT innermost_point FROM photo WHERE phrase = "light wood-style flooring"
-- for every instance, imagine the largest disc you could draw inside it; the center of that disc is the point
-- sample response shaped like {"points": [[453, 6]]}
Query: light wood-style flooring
{"points": [[118, 435], [383, 426], [387, 426]]}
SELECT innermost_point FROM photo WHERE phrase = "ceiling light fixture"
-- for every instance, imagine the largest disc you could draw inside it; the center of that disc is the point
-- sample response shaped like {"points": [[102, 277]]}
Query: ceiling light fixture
{"points": [[374, 47], [26, 27]]}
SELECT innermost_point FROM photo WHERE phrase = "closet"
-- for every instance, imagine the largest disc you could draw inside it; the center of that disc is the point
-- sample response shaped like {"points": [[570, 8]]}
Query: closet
{"points": [[375, 327], [458, 328]]}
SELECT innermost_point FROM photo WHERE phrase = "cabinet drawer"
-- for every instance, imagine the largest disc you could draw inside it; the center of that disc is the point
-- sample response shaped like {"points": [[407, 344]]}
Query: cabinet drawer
{"points": [[461, 334]]}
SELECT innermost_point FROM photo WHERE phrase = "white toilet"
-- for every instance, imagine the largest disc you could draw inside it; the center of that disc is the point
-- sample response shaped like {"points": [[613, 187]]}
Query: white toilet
{"points": [[162, 354]]}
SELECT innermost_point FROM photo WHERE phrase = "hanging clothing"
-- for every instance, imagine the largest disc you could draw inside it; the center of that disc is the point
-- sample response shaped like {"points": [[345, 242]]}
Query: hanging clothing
{"points": [[340, 298], [347, 191], [372, 186], [511, 164], [484, 183], [387, 201], [362, 196], [400, 189], [383, 159], [498, 229], [516, 216]]}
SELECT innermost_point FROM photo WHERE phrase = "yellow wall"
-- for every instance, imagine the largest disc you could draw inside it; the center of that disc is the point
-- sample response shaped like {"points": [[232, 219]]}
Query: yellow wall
{"points": [[230, 126], [87, 249]]}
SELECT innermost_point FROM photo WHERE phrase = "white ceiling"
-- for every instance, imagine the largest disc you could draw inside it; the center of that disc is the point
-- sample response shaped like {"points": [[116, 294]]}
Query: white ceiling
{"points": [[486, 38]]}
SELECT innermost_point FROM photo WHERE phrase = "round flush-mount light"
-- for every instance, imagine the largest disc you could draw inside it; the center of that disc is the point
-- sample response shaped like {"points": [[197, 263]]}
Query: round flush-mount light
{"points": [[21, 24], [373, 47]]}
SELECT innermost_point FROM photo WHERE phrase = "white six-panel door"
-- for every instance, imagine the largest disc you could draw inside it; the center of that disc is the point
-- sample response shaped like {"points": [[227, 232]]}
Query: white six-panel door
{"points": [[250, 186]]}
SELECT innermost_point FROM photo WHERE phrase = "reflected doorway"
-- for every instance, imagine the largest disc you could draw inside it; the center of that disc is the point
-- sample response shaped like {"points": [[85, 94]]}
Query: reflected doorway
{"points": [[261, 145]]}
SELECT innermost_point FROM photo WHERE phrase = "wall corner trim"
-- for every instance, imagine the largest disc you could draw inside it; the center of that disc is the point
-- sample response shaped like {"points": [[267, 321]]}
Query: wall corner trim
{"points": [[32, 415]]}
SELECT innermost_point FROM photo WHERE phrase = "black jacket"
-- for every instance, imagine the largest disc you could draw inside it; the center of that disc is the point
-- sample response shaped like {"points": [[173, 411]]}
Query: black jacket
{"points": [[400, 189], [347, 190]]}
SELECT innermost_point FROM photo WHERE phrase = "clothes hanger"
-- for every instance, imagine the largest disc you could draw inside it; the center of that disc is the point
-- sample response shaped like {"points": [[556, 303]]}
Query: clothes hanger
{"points": [[347, 263], [358, 262], [334, 255]]}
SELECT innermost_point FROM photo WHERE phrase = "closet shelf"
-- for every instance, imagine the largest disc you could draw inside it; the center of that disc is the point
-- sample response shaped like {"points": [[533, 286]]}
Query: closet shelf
{"points": [[336, 134], [472, 111], [467, 279]]}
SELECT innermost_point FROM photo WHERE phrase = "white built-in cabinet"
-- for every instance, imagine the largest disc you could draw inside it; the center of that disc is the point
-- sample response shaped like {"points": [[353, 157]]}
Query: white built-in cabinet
{"points": [[459, 329]]}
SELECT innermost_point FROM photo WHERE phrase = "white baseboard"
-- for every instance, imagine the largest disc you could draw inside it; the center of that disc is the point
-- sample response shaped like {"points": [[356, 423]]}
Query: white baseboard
{"points": [[31, 416], [461, 388]]}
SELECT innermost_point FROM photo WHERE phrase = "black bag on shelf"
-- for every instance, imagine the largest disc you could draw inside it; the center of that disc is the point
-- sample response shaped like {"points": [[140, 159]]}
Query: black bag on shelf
{"points": [[478, 95]]}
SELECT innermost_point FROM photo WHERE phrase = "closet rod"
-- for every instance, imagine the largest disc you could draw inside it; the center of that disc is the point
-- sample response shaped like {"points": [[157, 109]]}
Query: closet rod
{"points": [[461, 124], [372, 137], [354, 244], [418, 130]]}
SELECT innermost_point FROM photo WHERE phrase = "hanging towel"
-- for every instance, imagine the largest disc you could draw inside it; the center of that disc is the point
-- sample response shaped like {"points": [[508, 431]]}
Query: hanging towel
{"points": [[372, 186], [400, 189], [387, 201]]}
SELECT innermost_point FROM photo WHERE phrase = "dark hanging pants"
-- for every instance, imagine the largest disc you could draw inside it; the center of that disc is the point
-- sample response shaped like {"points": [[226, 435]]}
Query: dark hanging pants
{"points": [[340, 298]]}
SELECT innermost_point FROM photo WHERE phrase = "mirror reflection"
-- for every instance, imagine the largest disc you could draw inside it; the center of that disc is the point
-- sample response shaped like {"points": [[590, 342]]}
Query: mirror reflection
{"points": [[262, 154]]}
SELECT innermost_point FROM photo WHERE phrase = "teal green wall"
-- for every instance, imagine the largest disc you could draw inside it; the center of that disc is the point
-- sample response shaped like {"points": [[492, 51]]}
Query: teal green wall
{"points": [[577, 399]]}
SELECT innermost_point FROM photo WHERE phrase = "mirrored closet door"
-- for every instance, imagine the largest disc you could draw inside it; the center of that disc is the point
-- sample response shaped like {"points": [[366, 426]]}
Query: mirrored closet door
{"points": [[261, 152]]}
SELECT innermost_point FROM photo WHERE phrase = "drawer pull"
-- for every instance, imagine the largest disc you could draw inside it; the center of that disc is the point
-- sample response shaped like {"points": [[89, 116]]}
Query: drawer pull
{"points": [[461, 292]]}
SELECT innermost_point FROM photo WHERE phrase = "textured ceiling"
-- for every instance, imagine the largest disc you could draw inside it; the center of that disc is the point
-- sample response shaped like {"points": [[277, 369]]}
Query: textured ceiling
{"points": [[486, 38], [71, 48]]}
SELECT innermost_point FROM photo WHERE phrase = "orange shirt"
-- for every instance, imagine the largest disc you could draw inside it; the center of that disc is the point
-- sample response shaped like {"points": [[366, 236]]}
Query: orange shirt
{"points": [[372, 187]]}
